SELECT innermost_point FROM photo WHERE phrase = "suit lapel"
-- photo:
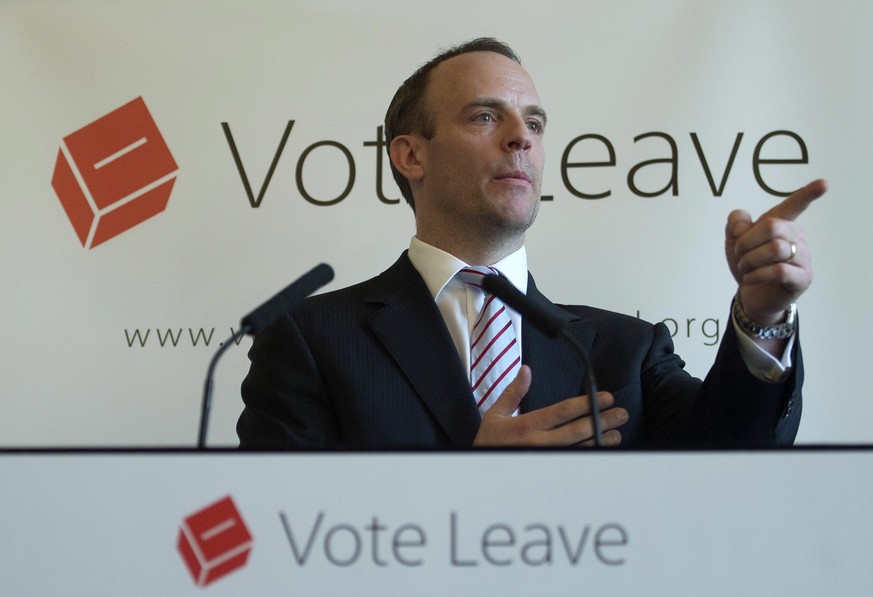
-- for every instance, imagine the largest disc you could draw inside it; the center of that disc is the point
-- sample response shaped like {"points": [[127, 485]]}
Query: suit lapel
{"points": [[557, 371], [410, 326]]}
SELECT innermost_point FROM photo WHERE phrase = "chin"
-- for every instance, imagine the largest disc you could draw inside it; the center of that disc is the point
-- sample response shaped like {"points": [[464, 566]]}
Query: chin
{"points": [[518, 221]]}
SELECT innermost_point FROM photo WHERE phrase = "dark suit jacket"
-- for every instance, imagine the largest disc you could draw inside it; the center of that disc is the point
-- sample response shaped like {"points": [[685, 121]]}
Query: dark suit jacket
{"points": [[373, 365]]}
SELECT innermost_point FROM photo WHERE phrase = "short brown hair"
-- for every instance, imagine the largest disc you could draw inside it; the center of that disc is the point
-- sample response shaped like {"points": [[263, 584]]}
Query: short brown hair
{"points": [[407, 114]]}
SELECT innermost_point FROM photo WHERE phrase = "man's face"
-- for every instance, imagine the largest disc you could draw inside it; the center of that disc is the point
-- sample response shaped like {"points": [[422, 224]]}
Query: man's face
{"points": [[482, 169]]}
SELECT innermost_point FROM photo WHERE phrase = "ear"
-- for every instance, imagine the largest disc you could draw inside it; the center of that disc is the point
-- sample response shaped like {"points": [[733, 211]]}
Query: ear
{"points": [[407, 155]]}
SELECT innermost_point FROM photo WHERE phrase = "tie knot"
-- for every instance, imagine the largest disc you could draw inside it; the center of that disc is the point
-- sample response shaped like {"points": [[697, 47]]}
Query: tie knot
{"points": [[473, 274]]}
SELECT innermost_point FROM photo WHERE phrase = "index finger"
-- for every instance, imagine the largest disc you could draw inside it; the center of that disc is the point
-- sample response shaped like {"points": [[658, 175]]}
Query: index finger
{"points": [[571, 409], [796, 203]]}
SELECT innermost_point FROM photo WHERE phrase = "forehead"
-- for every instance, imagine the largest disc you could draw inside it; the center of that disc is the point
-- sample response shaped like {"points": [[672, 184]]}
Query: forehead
{"points": [[475, 75]]}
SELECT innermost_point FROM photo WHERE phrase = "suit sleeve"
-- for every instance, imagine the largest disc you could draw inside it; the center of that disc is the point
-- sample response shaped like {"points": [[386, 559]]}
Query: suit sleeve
{"points": [[757, 412], [731, 408]]}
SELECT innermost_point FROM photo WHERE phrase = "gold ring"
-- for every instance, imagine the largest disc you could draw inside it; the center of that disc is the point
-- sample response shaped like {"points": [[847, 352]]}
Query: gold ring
{"points": [[793, 252]]}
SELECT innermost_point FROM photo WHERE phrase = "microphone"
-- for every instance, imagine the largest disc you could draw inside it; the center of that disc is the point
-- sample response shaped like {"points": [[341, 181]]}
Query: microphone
{"points": [[553, 327], [259, 319], [284, 301]]}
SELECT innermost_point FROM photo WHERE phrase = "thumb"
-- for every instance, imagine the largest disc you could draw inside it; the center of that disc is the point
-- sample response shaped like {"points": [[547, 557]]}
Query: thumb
{"points": [[738, 223], [511, 397]]}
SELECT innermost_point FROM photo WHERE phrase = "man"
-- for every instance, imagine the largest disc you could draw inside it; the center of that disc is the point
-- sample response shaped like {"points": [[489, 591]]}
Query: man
{"points": [[391, 362]]}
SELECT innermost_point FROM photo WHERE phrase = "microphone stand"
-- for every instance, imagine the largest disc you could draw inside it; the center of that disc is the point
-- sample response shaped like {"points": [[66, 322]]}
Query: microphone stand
{"points": [[207, 386], [590, 385]]}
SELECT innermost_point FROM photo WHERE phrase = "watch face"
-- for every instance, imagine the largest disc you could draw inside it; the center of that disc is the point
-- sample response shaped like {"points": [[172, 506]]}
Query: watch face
{"points": [[792, 314]]}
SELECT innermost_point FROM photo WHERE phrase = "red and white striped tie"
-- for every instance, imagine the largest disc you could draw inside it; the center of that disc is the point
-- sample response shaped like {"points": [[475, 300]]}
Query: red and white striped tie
{"points": [[495, 356]]}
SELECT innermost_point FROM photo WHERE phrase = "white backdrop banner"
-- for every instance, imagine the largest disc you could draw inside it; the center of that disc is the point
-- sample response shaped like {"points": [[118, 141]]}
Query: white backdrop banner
{"points": [[168, 166]]}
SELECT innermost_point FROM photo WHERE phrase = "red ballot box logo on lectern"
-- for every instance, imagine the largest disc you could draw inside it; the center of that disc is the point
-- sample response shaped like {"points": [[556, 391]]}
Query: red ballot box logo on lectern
{"points": [[214, 541], [114, 173]]}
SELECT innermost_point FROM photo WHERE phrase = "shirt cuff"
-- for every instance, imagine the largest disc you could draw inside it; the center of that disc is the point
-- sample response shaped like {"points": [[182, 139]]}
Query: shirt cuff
{"points": [[761, 363]]}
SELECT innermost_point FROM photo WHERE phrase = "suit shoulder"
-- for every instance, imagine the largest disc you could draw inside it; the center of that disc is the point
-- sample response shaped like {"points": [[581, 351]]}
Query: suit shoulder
{"points": [[597, 317], [399, 284], [378, 289]]}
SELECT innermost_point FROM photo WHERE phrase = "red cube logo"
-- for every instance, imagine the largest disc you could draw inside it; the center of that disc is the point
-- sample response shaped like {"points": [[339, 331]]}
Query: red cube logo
{"points": [[114, 173], [214, 542]]}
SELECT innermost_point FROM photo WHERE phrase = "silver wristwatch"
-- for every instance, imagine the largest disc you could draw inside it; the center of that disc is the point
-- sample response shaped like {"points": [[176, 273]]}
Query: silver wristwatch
{"points": [[783, 331]]}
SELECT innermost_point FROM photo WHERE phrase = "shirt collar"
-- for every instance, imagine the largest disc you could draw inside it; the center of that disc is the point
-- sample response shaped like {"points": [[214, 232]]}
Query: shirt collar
{"points": [[437, 267]]}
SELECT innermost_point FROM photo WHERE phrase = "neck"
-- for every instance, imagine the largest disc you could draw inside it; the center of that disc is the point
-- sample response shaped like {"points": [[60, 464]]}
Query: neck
{"points": [[474, 251]]}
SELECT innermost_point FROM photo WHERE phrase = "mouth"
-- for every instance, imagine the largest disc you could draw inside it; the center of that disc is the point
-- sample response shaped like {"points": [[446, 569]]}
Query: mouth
{"points": [[517, 176]]}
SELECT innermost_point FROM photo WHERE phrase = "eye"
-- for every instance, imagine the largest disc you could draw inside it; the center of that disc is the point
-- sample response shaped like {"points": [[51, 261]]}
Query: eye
{"points": [[536, 127], [484, 117]]}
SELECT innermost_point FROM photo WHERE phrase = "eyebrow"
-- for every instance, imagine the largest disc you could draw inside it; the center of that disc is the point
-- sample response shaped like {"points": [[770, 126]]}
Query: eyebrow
{"points": [[487, 102]]}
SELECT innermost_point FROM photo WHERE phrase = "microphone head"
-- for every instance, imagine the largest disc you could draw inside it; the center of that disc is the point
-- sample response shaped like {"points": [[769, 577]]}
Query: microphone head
{"points": [[319, 276], [287, 299], [515, 300]]}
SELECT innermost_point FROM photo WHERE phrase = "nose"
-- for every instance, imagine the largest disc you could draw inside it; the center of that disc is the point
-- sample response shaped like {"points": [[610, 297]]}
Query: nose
{"points": [[518, 136]]}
